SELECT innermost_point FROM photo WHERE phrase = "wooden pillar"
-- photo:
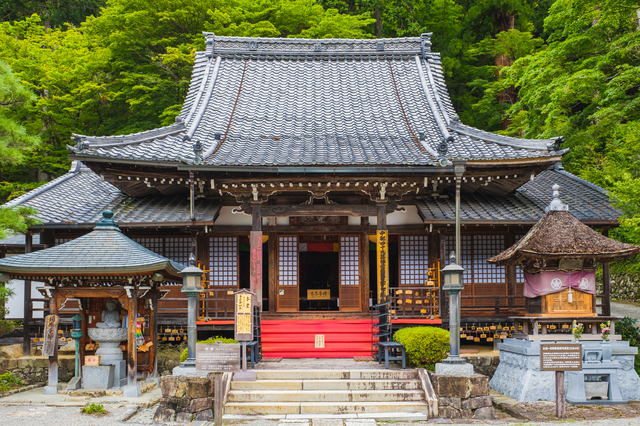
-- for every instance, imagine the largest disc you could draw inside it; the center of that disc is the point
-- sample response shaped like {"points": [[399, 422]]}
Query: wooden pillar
{"points": [[85, 328], [132, 349], [606, 283], [444, 311], [255, 258], [153, 323], [364, 257], [26, 336], [383, 254], [510, 271], [53, 360], [273, 270]]}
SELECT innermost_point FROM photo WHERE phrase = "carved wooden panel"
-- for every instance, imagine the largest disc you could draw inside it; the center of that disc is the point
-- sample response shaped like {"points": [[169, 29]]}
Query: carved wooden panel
{"points": [[558, 305]]}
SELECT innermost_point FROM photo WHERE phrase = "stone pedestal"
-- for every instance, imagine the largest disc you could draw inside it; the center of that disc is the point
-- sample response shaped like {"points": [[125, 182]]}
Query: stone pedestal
{"points": [[119, 372], [97, 377], [132, 391], [518, 375], [188, 371], [445, 369], [52, 390]]}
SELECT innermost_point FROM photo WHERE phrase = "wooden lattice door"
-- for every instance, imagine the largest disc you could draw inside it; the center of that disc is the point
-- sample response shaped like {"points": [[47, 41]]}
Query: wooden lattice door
{"points": [[288, 277], [350, 273]]}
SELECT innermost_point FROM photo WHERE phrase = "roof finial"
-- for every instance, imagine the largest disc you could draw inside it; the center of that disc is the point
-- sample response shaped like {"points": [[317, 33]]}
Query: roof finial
{"points": [[556, 204], [107, 221]]}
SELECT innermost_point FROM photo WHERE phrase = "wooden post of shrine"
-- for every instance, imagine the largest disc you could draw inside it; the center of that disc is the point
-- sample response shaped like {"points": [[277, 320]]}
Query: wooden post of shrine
{"points": [[364, 264], [132, 389], [50, 346], [606, 283], [272, 248], [26, 336], [255, 265], [153, 323]]}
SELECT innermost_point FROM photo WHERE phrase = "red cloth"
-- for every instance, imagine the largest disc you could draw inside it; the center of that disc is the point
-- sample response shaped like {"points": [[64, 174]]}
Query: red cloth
{"points": [[554, 282]]}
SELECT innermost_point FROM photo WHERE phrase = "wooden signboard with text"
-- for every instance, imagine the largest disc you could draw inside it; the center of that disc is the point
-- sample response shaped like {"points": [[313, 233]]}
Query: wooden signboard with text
{"points": [[560, 357], [324, 294], [50, 335], [243, 328]]}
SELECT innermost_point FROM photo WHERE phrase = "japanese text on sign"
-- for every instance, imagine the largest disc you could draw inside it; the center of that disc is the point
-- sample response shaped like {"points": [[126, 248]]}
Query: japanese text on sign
{"points": [[318, 294], [217, 357], [561, 357], [243, 303]]}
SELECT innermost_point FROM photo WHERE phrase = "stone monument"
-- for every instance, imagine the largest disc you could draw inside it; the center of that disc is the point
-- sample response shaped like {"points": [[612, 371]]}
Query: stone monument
{"points": [[112, 370]]}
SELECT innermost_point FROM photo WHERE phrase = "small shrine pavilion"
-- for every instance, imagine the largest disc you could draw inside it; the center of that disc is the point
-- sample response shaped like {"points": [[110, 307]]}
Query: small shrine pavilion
{"points": [[96, 270], [559, 257]]}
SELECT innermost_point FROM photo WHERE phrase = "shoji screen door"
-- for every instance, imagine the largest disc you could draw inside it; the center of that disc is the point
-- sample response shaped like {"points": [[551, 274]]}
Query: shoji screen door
{"points": [[350, 273], [288, 277]]}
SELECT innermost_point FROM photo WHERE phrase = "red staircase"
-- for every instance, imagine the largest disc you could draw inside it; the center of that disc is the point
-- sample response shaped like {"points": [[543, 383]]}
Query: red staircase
{"points": [[343, 338]]}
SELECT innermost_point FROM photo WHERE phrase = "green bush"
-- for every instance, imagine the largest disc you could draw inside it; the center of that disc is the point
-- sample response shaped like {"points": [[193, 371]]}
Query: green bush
{"points": [[425, 346], [183, 356], [9, 381], [6, 327], [628, 329], [94, 409]]}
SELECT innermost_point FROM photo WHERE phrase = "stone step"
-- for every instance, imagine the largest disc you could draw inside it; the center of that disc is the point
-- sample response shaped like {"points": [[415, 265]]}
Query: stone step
{"points": [[336, 374], [248, 408], [278, 396], [343, 384]]}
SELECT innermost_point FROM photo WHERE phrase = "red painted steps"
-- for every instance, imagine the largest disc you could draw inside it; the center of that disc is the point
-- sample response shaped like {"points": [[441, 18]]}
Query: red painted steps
{"points": [[344, 338]]}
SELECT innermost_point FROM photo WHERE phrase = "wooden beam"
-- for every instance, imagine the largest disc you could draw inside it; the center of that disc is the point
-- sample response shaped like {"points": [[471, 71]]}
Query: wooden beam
{"points": [[255, 258], [153, 323], [320, 210], [53, 360], [383, 254]]}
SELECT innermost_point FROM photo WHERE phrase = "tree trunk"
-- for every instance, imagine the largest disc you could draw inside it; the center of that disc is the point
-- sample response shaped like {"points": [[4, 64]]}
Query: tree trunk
{"points": [[378, 25], [506, 22]]}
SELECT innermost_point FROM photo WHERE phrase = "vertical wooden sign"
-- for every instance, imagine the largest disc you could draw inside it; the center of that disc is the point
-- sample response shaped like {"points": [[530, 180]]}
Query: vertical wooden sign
{"points": [[383, 266], [50, 335], [243, 329]]}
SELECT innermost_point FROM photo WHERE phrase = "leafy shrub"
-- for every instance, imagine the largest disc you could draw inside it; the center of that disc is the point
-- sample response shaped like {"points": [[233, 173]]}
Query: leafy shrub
{"points": [[94, 409], [6, 327], [628, 329], [9, 381], [425, 346], [185, 353]]}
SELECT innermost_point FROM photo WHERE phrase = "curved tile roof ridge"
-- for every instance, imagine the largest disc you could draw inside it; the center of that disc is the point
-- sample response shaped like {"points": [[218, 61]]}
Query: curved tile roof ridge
{"points": [[111, 141], [76, 167], [535, 144], [560, 169]]}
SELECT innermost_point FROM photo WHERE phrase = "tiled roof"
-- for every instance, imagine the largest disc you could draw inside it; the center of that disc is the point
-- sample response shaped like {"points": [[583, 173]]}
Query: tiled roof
{"points": [[80, 197], [105, 250], [587, 202], [285, 102]]}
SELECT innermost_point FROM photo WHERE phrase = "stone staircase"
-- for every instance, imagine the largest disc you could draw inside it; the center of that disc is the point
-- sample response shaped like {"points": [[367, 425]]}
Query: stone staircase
{"points": [[328, 392]]}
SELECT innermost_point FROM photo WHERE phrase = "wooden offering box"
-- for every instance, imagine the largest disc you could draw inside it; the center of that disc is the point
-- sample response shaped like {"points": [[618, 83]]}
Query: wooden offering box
{"points": [[557, 305]]}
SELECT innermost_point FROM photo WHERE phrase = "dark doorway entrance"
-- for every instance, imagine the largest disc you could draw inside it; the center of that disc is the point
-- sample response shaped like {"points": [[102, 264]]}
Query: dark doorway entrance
{"points": [[319, 286]]}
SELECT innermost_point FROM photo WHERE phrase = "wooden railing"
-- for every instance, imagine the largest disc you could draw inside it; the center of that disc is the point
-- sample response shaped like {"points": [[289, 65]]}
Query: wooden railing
{"points": [[216, 304], [415, 302], [502, 305]]}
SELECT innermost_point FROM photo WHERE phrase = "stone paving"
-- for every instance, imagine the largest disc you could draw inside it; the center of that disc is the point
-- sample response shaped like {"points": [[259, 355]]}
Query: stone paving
{"points": [[324, 364]]}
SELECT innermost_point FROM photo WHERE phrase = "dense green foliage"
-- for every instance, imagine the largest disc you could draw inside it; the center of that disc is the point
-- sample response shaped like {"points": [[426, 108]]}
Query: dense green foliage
{"points": [[8, 381], [628, 329], [530, 68], [425, 346], [6, 327], [185, 352]]}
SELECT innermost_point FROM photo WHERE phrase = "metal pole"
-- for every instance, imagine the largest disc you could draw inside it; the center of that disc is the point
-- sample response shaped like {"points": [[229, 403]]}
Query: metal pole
{"points": [[191, 329]]}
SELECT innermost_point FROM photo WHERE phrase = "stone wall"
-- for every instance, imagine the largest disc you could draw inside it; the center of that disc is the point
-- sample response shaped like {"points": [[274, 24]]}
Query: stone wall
{"points": [[35, 369], [462, 397], [485, 365], [185, 398]]}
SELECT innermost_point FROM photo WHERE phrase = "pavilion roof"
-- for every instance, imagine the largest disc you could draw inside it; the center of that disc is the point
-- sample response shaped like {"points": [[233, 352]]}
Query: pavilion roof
{"points": [[559, 235], [103, 252], [300, 102]]}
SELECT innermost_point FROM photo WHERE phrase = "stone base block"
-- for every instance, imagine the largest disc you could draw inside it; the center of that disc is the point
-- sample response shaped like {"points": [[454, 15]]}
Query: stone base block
{"points": [[460, 386], [244, 376], [75, 383], [51, 390], [133, 391], [120, 368], [445, 369], [98, 376], [188, 371]]}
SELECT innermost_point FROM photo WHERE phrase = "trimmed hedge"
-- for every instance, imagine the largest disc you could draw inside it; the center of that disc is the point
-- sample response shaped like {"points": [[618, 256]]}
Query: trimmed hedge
{"points": [[185, 353], [425, 346]]}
